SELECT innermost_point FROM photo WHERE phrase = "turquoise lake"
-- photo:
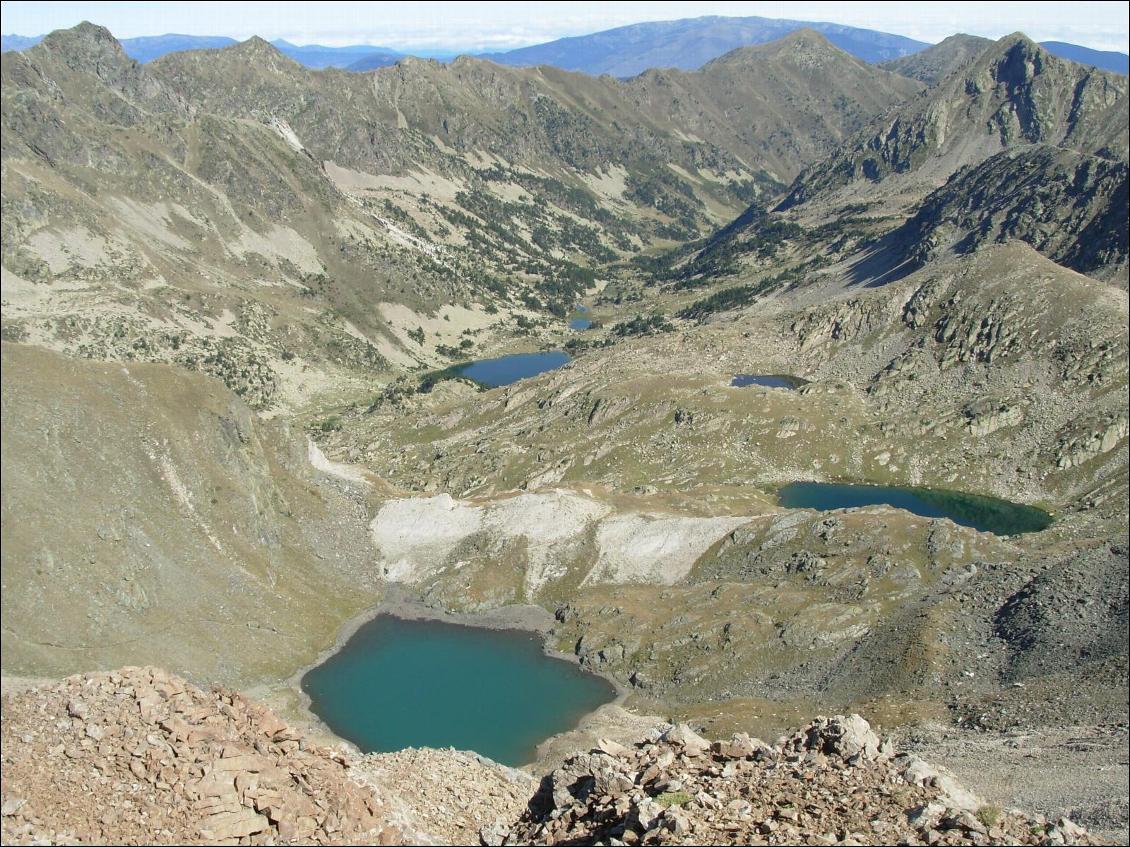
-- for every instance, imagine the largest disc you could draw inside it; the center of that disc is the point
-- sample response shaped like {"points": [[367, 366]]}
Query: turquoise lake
{"points": [[767, 381], [402, 683], [507, 369], [985, 514]]}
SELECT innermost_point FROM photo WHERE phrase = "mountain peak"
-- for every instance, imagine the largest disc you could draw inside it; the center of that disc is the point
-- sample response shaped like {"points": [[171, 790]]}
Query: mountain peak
{"points": [[806, 36], [802, 46], [256, 49], [82, 42], [255, 44], [1017, 60], [1018, 37]]}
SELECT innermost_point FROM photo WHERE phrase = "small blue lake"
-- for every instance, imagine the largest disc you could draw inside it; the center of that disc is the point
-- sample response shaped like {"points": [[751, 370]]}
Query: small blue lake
{"points": [[507, 369], [985, 514], [403, 683], [579, 321], [790, 383]]}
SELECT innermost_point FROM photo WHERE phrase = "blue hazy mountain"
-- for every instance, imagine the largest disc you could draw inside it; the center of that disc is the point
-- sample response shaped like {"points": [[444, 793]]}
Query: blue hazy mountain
{"points": [[18, 42], [1105, 60], [319, 56], [147, 48], [692, 42], [624, 51]]}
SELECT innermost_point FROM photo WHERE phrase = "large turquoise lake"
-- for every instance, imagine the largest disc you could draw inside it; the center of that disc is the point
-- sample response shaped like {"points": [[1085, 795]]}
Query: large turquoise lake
{"points": [[986, 514], [403, 683]]}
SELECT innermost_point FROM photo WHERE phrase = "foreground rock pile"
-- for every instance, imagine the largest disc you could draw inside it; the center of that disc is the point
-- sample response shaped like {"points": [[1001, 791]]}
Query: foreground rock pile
{"points": [[141, 756], [446, 796], [834, 782]]}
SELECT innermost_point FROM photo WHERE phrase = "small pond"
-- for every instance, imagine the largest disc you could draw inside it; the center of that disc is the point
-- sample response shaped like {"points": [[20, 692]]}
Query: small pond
{"points": [[507, 369], [404, 683], [790, 383], [579, 321], [985, 514]]}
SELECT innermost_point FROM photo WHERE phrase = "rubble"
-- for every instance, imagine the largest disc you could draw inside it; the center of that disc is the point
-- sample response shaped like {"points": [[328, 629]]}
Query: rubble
{"points": [[833, 782], [139, 756]]}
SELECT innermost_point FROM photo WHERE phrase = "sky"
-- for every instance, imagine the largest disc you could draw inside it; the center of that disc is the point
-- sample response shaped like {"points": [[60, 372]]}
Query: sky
{"points": [[477, 26]]}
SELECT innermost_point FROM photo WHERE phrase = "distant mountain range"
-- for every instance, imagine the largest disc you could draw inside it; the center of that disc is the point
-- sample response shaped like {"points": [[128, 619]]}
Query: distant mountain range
{"points": [[626, 51], [365, 56], [147, 48], [1106, 60], [692, 42]]}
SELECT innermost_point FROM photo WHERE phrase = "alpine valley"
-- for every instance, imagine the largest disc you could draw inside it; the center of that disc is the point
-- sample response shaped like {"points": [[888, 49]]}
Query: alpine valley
{"points": [[241, 297]]}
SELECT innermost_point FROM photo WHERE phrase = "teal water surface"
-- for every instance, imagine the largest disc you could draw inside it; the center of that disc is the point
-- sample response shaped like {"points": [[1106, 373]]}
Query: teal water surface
{"points": [[507, 369], [401, 683], [985, 514], [767, 381]]}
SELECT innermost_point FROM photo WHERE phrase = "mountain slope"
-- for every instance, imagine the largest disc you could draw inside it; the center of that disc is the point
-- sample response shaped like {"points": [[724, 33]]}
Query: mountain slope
{"points": [[1015, 93], [780, 104], [690, 43], [935, 63], [1068, 205], [123, 486]]}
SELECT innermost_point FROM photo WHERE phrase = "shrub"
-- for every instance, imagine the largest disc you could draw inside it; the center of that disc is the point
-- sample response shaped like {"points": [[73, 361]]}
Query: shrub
{"points": [[673, 798]]}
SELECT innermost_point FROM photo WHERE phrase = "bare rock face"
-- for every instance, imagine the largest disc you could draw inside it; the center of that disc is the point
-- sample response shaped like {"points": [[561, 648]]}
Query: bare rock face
{"points": [[140, 756]]}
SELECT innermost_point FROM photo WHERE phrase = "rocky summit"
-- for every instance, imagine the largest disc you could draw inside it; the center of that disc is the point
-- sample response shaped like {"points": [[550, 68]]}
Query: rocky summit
{"points": [[249, 307]]}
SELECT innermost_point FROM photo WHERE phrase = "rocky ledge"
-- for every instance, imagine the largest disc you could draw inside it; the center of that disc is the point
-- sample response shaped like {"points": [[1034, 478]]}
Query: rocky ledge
{"points": [[139, 756]]}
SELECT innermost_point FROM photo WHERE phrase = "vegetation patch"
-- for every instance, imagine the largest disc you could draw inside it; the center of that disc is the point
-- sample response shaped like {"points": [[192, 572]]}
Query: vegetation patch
{"points": [[673, 798], [640, 325]]}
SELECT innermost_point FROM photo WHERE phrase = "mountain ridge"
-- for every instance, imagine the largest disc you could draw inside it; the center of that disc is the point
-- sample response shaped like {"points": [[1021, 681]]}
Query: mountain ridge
{"points": [[870, 45], [1015, 92]]}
